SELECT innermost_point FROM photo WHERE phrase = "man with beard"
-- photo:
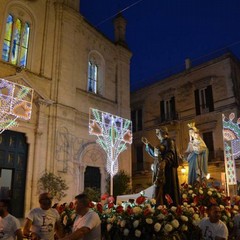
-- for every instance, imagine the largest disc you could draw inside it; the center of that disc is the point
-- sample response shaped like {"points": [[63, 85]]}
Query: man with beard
{"points": [[42, 223], [9, 225]]}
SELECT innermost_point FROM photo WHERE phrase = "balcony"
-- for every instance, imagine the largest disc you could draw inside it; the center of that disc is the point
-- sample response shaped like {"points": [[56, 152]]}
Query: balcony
{"points": [[168, 117]]}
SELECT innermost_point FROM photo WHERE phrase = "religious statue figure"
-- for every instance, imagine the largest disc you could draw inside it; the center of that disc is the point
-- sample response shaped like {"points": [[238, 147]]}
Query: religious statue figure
{"points": [[165, 177], [197, 156]]}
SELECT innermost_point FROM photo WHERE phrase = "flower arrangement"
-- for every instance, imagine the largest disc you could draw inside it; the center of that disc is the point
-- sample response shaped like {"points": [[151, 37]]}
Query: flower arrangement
{"points": [[67, 215], [142, 219]]}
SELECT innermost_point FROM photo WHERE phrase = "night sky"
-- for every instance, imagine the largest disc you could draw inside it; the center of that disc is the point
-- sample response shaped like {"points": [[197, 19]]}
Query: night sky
{"points": [[162, 33]]}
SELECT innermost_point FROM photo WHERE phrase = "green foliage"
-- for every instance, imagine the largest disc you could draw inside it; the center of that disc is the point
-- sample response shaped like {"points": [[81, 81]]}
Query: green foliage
{"points": [[93, 193], [53, 184], [121, 183]]}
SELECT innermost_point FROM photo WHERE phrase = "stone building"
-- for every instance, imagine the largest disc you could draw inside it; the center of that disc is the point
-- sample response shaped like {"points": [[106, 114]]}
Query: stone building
{"points": [[199, 94], [72, 67]]}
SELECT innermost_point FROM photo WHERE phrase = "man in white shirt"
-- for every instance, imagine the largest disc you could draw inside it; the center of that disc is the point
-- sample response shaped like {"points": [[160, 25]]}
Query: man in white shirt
{"points": [[87, 225], [9, 225], [42, 223], [212, 227]]}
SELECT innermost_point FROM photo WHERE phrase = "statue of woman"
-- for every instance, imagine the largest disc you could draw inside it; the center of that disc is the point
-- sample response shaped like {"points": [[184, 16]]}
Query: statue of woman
{"points": [[197, 156]]}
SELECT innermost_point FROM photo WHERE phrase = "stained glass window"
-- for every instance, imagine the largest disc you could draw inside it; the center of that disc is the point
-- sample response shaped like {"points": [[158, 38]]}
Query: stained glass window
{"points": [[92, 77], [16, 40], [7, 38]]}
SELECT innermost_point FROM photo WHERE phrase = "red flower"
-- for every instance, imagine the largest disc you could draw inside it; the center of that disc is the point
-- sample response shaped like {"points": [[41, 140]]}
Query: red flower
{"points": [[140, 200], [146, 212], [104, 196], [119, 209], [179, 210], [195, 200], [212, 200], [99, 207], [129, 210], [110, 205], [71, 205], [91, 204], [111, 199]]}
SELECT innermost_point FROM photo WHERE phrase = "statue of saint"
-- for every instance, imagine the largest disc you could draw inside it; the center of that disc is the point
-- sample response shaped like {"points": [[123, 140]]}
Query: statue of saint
{"points": [[165, 177], [197, 156]]}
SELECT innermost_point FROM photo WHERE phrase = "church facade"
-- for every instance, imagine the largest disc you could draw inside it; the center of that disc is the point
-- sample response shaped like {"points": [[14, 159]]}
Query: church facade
{"points": [[72, 67]]}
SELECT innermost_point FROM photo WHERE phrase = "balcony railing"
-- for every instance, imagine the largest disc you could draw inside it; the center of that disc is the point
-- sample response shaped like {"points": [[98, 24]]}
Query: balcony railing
{"points": [[168, 118]]}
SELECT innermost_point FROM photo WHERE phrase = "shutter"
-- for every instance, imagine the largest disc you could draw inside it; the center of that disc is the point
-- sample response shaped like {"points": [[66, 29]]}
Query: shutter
{"points": [[133, 117], [209, 98], [173, 110], [139, 119], [162, 115], [197, 103]]}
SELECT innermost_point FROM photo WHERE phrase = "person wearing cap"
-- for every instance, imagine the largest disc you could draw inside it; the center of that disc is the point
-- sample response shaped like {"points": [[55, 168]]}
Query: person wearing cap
{"points": [[43, 222], [9, 225], [165, 165], [197, 158]]}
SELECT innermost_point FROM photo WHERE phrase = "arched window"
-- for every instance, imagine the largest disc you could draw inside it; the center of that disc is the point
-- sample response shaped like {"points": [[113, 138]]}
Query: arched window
{"points": [[15, 46], [92, 77], [95, 73]]}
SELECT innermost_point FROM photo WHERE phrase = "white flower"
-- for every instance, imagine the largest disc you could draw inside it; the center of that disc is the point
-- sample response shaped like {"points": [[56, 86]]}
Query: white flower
{"points": [[149, 221], [224, 218], [168, 227], [119, 203], [185, 204], [184, 218], [135, 223], [173, 208], [184, 196], [137, 233], [228, 214], [200, 191], [193, 195], [153, 201], [125, 232], [221, 207], [209, 193], [195, 216], [73, 216], [109, 226], [157, 227], [190, 191], [137, 210], [123, 223], [235, 207], [175, 223], [160, 216], [65, 220], [219, 195], [184, 227], [196, 222]]}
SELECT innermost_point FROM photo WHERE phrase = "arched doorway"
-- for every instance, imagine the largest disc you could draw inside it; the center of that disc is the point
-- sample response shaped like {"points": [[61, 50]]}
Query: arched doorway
{"points": [[13, 164], [92, 177]]}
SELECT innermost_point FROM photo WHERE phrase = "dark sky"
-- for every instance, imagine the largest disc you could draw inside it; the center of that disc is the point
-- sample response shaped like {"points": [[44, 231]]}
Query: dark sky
{"points": [[162, 33]]}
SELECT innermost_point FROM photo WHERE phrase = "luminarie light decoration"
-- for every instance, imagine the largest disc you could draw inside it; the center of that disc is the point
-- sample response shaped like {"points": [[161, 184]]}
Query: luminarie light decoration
{"points": [[15, 102], [231, 140], [113, 133]]}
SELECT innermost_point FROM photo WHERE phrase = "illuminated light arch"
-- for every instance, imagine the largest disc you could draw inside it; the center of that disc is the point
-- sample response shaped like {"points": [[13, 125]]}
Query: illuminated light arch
{"points": [[231, 140], [113, 133], [15, 102]]}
